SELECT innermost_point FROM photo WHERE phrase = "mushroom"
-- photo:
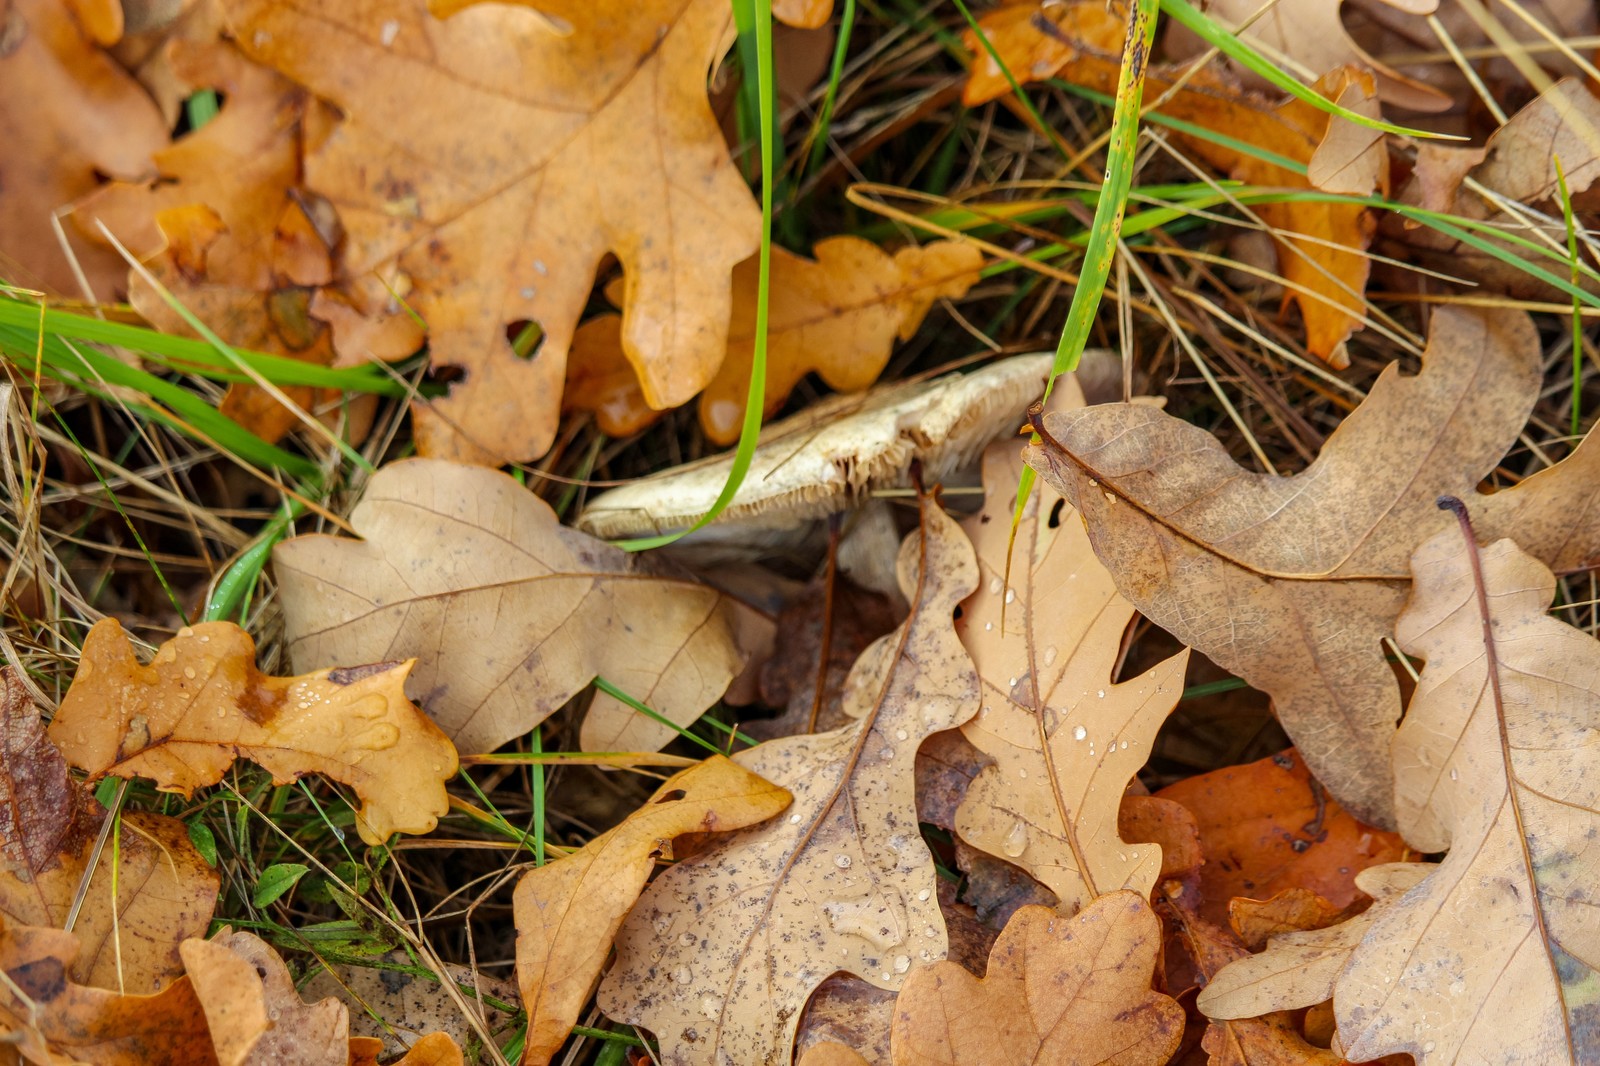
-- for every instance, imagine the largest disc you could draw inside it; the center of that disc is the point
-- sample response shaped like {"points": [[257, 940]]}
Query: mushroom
{"points": [[831, 457]]}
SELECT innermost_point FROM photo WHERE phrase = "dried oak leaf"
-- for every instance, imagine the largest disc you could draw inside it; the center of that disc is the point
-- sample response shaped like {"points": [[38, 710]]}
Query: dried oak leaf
{"points": [[1269, 826], [1312, 36], [488, 163], [1326, 272], [165, 892], [1058, 989], [508, 613], [1063, 740], [63, 1023], [433, 1049], [1292, 582], [84, 116], [1494, 762], [837, 316], [200, 703], [568, 911], [723, 949], [1518, 164]]}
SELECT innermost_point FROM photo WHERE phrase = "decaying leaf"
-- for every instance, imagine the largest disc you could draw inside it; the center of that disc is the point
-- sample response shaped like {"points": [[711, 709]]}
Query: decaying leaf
{"points": [[164, 892], [1081, 42], [1298, 605], [61, 1022], [569, 910], [1063, 739], [1270, 826], [1311, 35], [1490, 764], [255, 1016], [508, 613], [837, 316], [723, 949], [828, 457], [492, 197], [1518, 164], [84, 117], [400, 1010], [1058, 989], [200, 703]]}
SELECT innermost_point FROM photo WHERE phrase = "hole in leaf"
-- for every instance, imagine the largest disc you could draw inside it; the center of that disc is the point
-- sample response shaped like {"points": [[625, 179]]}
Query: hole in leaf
{"points": [[1055, 514], [673, 796], [448, 374], [525, 337]]}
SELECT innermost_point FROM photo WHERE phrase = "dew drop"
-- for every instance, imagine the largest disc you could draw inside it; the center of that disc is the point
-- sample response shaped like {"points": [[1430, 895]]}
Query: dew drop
{"points": [[1016, 841], [1455, 775], [842, 861], [205, 639], [939, 710], [995, 585], [988, 627], [794, 819], [222, 712], [185, 633], [1079, 732], [1011, 595], [930, 932], [900, 734], [1101, 693], [984, 713], [1022, 773], [1050, 654], [683, 975], [1093, 484], [924, 894], [1124, 745], [902, 963], [1013, 682], [188, 672]]}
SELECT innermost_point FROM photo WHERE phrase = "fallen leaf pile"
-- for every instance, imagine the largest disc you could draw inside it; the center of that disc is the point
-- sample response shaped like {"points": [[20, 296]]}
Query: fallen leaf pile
{"points": [[891, 765]]}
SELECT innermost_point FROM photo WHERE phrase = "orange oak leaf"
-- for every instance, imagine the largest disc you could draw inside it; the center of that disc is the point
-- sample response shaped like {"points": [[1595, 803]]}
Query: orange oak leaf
{"points": [[1327, 270], [836, 315], [200, 703], [568, 911], [489, 197], [1270, 826], [63, 1023], [1063, 740], [127, 940], [84, 116], [1058, 989], [509, 613], [224, 227], [722, 951]]}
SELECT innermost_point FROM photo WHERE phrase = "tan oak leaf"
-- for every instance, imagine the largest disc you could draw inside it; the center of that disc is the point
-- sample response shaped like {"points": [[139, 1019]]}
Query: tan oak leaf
{"points": [[723, 949], [508, 613], [1492, 762], [1292, 582], [1063, 739], [1058, 989]]}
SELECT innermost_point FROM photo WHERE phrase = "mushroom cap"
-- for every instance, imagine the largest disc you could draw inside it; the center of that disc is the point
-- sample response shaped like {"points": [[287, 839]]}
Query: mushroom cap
{"points": [[830, 456]]}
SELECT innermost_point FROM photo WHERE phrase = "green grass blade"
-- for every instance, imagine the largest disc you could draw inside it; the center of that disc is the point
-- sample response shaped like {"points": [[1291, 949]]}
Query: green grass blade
{"points": [[824, 124], [1577, 317], [755, 399], [1107, 225]]}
